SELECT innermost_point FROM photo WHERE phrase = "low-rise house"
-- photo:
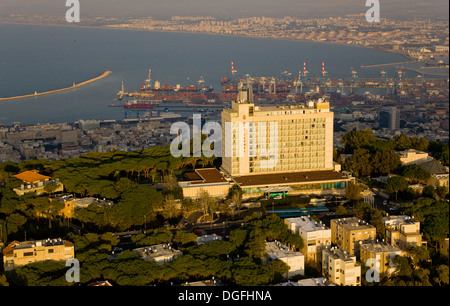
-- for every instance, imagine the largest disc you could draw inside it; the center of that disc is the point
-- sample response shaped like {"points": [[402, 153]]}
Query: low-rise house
{"points": [[208, 238], [18, 254], [160, 253], [35, 182]]}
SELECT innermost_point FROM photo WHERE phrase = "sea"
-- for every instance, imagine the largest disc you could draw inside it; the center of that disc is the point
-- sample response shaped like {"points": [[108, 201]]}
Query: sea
{"points": [[42, 58]]}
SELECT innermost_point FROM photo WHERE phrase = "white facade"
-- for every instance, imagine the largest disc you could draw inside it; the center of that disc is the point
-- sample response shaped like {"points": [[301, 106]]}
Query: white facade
{"points": [[295, 260], [315, 236]]}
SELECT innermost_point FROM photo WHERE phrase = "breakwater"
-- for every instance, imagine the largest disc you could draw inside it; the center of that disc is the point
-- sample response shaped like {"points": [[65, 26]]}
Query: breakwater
{"points": [[36, 94]]}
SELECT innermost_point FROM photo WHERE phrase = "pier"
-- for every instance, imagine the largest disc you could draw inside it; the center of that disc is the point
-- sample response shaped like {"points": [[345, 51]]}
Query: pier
{"points": [[36, 94], [387, 64]]}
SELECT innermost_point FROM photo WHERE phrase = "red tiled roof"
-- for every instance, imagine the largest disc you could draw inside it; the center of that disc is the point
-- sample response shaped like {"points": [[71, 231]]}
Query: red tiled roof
{"points": [[31, 176]]}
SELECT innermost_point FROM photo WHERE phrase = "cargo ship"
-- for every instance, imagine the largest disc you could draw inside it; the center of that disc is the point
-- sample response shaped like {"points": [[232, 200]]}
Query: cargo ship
{"points": [[135, 104]]}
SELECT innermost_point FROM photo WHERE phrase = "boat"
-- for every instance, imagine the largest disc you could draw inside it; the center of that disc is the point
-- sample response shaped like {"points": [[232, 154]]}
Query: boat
{"points": [[135, 104]]}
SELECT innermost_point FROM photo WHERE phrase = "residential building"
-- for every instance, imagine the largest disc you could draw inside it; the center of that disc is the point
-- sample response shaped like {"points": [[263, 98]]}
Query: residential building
{"points": [[160, 253], [379, 254], [18, 254], [208, 238], [295, 260], [213, 282], [308, 282], [412, 156], [35, 182], [402, 231], [100, 284], [347, 232], [315, 236], [340, 267]]}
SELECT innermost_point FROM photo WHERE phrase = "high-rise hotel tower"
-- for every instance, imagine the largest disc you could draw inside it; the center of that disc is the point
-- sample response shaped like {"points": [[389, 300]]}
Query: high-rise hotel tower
{"points": [[275, 139]]}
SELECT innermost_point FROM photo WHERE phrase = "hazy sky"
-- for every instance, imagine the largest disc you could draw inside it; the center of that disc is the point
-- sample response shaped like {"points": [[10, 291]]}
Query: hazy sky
{"points": [[224, 8]]}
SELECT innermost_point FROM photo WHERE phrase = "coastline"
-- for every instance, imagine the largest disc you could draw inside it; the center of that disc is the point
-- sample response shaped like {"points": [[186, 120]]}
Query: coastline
{"points": [[36, 94], [213, 34]]}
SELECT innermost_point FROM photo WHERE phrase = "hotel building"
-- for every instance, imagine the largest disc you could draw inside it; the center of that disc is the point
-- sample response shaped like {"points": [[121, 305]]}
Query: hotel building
{"points": [[285, 146], [273, 151]]}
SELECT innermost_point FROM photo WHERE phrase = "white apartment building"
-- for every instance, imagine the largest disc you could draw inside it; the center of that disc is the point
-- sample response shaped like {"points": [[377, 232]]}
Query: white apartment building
{"points": [[340, 267], [315, 236], [295, 260]]}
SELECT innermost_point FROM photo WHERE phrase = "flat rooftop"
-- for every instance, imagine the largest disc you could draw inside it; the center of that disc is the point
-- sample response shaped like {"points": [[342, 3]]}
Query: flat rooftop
{"points": [[307, 224], [398, 220], [155, 251], [276, 250], [16, 245], [338, 253], [353, 223], [288, 178], [379, 247], [205, 176]]}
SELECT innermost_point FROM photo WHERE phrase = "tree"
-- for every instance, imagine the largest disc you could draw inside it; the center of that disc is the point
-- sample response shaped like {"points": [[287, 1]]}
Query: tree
{"points": [[124, 184], [442, 277], [183, 238], [51, 188], [341, 211], [415, 174], [395, 184], [353, 191], [385, 161], [359, 163]]}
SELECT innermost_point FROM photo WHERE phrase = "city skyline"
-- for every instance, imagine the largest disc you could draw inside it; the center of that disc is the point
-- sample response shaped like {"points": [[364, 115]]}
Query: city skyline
{"points": [[224, 9]]}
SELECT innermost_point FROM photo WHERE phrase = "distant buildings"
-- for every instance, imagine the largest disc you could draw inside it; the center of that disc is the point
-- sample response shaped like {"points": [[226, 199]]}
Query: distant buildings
{"points": [[439, 173], [390, 118], [295, 260], [18, 254]]}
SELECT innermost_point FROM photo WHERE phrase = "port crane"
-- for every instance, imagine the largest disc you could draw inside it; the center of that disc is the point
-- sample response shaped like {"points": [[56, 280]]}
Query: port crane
{"points": [[323, 76], [147, 82], [305, 75], [353, 78], [383, 79]]}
